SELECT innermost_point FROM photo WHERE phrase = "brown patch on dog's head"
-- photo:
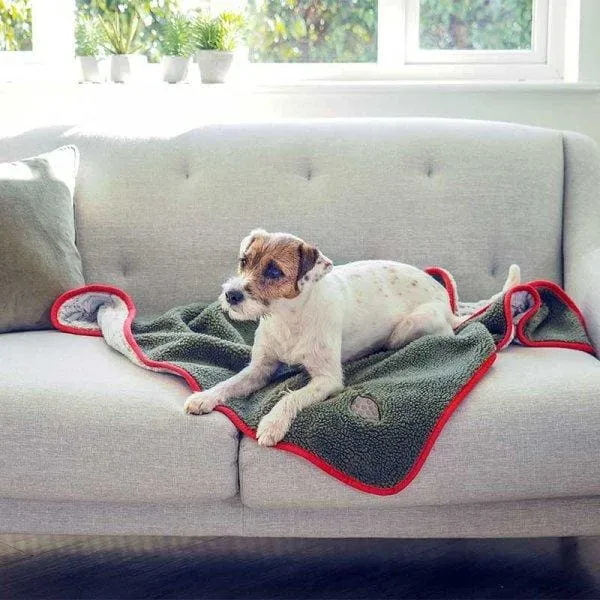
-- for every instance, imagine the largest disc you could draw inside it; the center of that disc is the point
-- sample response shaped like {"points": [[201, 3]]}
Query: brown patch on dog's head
{"points": [[272, 266]]}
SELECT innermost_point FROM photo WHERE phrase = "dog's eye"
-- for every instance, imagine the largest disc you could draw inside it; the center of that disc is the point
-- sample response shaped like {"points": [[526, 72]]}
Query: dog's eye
{"points": [[272, 271], [243, 262]]}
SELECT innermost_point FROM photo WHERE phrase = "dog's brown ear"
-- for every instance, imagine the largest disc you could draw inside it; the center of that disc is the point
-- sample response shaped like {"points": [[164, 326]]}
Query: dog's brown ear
{"points": [[308, 259]]}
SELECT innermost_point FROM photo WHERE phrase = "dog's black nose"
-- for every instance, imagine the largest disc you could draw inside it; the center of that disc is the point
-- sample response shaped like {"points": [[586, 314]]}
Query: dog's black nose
{"points": [[234, 297]]}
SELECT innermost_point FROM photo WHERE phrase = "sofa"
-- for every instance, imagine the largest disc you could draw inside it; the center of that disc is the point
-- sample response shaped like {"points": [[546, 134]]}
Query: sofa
{"points": [[92, 444]]}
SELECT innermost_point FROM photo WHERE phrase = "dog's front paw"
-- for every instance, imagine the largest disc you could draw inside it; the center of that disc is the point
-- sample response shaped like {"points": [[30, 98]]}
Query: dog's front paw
{"points": [[271, 429], [201, 402]]}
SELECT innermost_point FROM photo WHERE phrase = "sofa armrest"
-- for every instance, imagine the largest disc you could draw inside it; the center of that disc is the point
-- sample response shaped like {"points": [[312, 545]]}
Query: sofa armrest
{"points": [[584, 288]]}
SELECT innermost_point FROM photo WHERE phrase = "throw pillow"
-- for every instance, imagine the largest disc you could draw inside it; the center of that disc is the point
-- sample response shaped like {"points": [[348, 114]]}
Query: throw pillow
{"points": [[38, 256]]}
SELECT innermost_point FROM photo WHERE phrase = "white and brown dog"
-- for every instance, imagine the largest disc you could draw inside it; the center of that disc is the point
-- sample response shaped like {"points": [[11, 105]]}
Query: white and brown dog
{"points": [[316, 315]]}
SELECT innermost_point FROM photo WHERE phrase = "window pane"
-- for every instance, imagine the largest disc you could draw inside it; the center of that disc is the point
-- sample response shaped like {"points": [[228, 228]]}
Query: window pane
{"points": [[475, 24], [15, 25], [301, 31]]}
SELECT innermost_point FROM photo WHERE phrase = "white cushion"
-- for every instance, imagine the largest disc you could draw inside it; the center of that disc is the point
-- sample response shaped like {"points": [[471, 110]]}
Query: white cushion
{"points": [[80, 422]]}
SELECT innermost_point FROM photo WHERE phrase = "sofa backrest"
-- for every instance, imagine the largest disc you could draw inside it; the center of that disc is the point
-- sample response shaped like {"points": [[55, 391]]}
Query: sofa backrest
{"points": [[162, 215]]}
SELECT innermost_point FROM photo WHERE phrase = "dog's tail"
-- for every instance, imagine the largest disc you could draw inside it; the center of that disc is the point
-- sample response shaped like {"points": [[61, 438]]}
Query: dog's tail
{"points": [[513, 279], [466, 309]]}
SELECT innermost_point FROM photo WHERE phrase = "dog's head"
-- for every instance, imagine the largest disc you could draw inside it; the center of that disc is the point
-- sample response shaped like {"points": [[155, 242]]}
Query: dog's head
{"points": [[272, 267]]}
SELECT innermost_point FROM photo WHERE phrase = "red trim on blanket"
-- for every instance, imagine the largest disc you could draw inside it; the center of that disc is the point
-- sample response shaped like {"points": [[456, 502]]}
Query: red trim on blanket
{"points": [[508, 315], [556, 289], [532, 288], [507, 309], [448, 284], [131, 312], [58, 324], [355, 483]]}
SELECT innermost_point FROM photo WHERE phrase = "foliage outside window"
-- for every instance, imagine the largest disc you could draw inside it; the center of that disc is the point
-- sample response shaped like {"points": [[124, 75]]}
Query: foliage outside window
{"points": [[15, 25], [312, 30], [475, 24]]}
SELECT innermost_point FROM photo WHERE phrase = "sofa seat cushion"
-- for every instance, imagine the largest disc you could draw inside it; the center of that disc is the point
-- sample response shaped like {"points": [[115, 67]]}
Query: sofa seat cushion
{"points": [[80, 422], [528, 430]]}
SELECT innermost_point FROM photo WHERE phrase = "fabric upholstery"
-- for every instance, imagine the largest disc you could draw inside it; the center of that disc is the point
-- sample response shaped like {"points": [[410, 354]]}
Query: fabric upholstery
{"points": [[582, 205], [529, 429], [37, 237], [585, 286], [93, 444], [526, 518], [465, 195], [582, 228], [79, 422]]}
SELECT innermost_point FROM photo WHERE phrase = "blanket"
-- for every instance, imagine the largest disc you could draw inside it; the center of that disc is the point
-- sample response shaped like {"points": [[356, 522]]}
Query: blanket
{"points": [[377, 432]]}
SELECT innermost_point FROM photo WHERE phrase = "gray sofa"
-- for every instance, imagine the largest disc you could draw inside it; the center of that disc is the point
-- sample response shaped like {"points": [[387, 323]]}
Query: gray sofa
{"points": [[90, 443]]}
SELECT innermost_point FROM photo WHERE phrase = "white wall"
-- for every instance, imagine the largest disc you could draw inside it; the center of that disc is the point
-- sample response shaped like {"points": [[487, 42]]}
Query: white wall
{"points": [[563, 107]]}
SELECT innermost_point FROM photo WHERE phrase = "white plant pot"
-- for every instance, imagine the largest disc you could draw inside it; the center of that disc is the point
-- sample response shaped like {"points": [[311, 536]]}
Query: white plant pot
{"points": [[175, 68], [214, 65], [127, 67], [94, 69]]}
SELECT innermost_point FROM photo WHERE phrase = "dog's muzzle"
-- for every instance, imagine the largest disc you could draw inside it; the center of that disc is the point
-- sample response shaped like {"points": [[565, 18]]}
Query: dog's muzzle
{"points": [[234, 297]]}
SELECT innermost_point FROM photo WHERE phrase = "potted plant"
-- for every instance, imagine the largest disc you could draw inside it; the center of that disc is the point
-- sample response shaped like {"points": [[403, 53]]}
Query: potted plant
{"points": [[175, 47], [122, 26], [214, 40], [88, 42]]}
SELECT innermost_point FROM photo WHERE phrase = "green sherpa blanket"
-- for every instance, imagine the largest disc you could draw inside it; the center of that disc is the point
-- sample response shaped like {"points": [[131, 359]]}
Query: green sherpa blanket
{"points": [[377, 432]]}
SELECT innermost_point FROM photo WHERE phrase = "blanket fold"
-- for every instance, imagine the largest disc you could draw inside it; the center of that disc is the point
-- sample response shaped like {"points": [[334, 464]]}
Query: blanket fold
{"points": [[376, 433]]}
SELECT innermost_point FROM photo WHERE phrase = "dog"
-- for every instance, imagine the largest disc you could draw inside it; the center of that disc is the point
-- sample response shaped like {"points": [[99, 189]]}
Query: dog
{"points": [[316, 315]]}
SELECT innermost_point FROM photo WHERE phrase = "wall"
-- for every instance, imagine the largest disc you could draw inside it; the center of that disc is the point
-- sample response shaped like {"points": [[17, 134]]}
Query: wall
{"points": [[562, 106]]}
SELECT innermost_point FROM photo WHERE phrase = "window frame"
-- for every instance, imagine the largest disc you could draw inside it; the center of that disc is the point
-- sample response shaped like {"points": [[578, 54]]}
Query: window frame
{"points": [[537, 54], [399, 59], [397, 56]]}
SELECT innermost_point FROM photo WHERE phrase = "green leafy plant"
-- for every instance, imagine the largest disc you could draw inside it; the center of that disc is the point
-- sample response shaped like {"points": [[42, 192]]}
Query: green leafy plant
{"points": [[89, 36], [176, 36], [121, 25], [153, 12], [15, 25], [220, 33]]}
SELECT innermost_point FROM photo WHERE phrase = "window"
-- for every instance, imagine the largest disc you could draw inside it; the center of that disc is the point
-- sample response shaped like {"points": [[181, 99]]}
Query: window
{"points": [[485, 31], [344, 39], [309, 31], [15, 25], [399, 39], [36, 39], [487, 25]]}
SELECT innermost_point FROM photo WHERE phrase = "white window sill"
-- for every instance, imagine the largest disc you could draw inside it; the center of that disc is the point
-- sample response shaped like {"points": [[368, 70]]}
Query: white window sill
{"points": [[307, 87], [392, 86]]}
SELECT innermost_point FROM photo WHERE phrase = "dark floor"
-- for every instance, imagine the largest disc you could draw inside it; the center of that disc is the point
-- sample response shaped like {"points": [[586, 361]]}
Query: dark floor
{"points": [[165, 567]]}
